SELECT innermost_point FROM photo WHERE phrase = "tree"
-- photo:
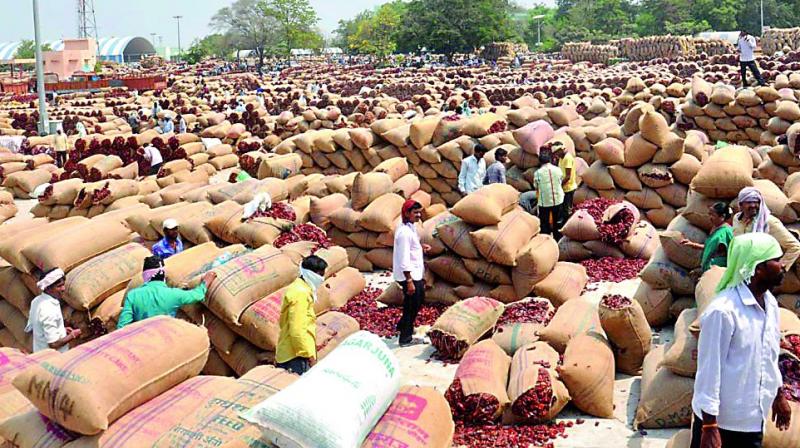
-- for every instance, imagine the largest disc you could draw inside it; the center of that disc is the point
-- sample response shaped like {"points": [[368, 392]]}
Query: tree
{"points": [[27, 49], [348, 28], [296, 20], [216, 45], [248, 27], [376, 32], [530, 32]]}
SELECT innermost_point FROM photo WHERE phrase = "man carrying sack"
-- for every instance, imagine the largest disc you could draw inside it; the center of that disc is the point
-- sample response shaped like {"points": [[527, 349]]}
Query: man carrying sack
{"points": [[45, 320], [408, 268], [738, 380]]}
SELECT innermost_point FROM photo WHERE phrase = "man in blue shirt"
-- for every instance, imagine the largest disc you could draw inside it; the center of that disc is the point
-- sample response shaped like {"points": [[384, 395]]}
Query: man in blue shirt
{"points": [[171, 244]]}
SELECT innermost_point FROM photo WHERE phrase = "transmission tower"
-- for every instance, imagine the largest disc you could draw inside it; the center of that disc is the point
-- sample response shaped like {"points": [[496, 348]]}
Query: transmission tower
{"points": [[87, 24]]}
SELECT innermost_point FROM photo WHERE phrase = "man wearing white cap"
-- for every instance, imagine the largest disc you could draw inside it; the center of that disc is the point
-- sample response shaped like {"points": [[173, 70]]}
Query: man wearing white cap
{"points": [[45, 319], [171, 244]]}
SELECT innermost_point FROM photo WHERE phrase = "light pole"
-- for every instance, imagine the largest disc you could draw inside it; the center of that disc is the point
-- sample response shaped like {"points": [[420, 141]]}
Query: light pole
{"points": [[39, 72], [762, 18], [178, 18], [539, 29]]}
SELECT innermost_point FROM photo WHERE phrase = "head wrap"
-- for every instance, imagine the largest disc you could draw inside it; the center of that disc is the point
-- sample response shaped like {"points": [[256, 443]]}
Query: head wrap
{"points": [[153, 266], [49, 279], [750, 194], [313, 280], [408, 205], [745, 253]]}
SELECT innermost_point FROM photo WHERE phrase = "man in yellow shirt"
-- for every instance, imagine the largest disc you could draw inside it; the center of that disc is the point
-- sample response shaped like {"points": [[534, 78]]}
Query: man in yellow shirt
{"points": [[60, 143], [566, 162], [297, 341]]}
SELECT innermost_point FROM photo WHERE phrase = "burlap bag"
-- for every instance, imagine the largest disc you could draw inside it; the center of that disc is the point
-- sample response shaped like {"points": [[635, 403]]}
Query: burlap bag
{"points": [[487, 205], [573, 318], [491, 273], [183, 267], [419, 417], [243, 280], [11, 248], [13, 290], [581, 227], [100, 389], [564, 283], [75, 245], [588, 373], [322, 208], [381, 258], [340, 287], [629, 333], [469, 319], [258, 232], [140, 223], [14, 321], [725, 173], [655, 303], [484, 370], [93, 281], [260, 321], [775, 438], [217, 421], [31, 429], [642, 241], [455, 234], [333, 328], [680, 357], [380, 215], [502, 242], [523, 377], [666, 400], [662, 273], [705, 292], [451, 268]]}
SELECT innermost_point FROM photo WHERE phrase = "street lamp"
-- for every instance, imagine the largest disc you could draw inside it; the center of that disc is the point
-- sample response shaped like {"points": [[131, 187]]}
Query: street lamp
{"points": [[762, 18], [539, 29], [178, 18], [39, 72]]}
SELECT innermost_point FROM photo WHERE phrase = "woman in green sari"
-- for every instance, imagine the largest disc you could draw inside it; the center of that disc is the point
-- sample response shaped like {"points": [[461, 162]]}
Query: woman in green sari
{"points": [[715, 249]]}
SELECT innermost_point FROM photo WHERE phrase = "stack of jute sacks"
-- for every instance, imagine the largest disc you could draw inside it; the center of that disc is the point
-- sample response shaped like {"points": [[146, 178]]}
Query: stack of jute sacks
{"points": [[748, 117], [488, 246], [655, 47], [665, 99], [650, 168], [7, 207], [168, 402], [776, 39], [73, 197], [586, 51], [712, 47]]}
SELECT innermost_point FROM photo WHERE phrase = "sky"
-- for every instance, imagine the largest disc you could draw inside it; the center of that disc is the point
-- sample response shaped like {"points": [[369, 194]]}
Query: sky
{"points": [[58, 18]]}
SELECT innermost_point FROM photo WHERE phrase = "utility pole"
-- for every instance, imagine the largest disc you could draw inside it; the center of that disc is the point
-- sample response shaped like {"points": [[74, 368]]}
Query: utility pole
{"points": [[539, 29], [762, 18], [180, 52], [43, 122]]}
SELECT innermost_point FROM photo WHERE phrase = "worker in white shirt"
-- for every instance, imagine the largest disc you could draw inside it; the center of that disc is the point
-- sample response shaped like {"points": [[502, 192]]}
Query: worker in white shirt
{"points": [[473, 170], [45, 320], [153, 155], [408, 269], [747, 46], [738, 380]]}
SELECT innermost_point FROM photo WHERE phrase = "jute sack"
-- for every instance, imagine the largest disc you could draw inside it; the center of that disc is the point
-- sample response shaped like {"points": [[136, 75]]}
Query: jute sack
{"points": [[775, 438], [217, 421], [483, 370], [629, 333], [340, 287], [419, 417], [182, 268], [588, 373], [681, 439], [12, 362], [535, 261], [684, 256], [502, 242], [705, 292], [533, 136], [13, 290], [30, 429], [776, 200], [465, 322], [181, 214], [451, 268], [696, 210], [655, 303], [106, 314], [680, 357], [725, 173], [93, 281], [573, 318], [581, 227], [140, 223], [528, 370], [491, 273], [455, 234], [215, 366], [421, 132], [511, 336], [564, 283], [100, 389], [333, 328], [346, 219], [258, 232], [11, 248], [380, 215], [61, 193], [660, 272], [487, 205], [361, 375], [195, 230], [243, 280], [666, 400], [145, 424], [357, 258], [638, 151], [440, 292], [642, 241], [260, 321], [322, 208], [224, 223], [77, 244]]}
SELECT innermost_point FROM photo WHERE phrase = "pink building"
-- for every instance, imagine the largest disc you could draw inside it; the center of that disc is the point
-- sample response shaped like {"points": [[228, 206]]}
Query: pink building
{"points": [[78, 55]]}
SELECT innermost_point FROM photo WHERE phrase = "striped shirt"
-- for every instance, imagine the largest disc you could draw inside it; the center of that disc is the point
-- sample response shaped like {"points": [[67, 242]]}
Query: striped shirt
{"points": [[547, 182]]}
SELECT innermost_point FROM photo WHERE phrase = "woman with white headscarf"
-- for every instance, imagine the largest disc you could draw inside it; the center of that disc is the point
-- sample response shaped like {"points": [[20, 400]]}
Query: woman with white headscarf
{"points": [[756, 217]]}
